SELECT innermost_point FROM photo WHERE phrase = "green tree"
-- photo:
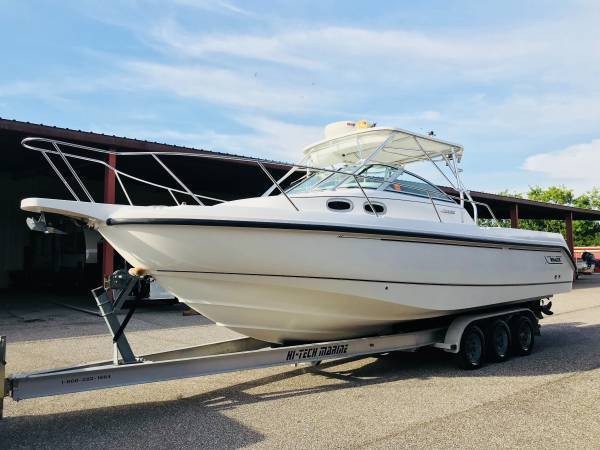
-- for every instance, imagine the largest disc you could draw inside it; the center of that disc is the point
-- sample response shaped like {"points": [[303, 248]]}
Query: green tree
{"points": [[558, 195], [585, 232]]}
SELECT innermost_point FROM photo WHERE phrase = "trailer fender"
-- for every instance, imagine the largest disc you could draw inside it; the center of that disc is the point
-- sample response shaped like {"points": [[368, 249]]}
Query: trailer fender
{"points": [[457, 327]]}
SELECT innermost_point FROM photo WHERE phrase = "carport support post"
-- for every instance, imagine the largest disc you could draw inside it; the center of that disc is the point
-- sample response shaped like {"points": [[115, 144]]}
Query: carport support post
{"points": [[569, 232], [3, 382], [514, 216], [108, 254]]}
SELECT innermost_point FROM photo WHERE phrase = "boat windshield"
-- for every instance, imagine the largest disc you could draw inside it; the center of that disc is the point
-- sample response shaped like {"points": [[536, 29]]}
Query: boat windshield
{"points": [[307, 184], [375, 176]]}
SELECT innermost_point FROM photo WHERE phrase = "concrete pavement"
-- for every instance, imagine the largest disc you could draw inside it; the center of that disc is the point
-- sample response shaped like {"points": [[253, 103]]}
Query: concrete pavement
{"points": [[407, 400]]}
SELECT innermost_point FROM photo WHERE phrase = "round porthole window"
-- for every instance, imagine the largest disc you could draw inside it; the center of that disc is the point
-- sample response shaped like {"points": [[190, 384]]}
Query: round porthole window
{"points": [[338, 204], [374, 207]]}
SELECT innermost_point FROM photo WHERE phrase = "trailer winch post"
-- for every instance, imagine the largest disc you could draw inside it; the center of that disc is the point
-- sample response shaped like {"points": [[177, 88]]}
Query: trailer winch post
{"points": [[108, 309], [3, 380]]}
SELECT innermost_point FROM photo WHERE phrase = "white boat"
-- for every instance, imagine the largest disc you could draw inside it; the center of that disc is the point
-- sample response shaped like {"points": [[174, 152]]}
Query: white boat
{"points": [[358, 246]]}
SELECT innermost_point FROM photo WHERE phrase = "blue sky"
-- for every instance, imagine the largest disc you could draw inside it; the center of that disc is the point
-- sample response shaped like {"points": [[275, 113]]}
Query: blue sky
{"points": [[515, 82]]}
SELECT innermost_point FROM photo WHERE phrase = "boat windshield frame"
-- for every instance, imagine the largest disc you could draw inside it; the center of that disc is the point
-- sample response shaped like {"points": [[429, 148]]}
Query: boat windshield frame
{"points": [[383, 183], [450, 157]]}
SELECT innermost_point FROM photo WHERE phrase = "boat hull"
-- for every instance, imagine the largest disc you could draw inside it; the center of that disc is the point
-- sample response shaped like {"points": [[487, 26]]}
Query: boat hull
{"points": [[283, 285]]}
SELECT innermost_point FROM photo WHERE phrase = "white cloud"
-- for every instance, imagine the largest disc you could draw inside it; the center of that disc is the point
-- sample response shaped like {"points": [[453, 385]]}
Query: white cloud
{"points": [[279, 140], [468, 54], [213, 5], [271, 48], [576, 165], [242, 89], [55, 91], [541, 75], [265, 138], [523, 116]]}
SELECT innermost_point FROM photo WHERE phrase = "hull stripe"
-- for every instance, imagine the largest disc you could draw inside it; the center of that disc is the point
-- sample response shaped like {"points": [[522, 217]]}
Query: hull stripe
{"points": [[359, 279]]}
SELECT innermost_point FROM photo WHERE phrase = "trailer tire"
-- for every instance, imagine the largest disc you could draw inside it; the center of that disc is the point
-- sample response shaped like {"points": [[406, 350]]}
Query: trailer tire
{"points": [[499, 341], [472, 348], [523, 333]]}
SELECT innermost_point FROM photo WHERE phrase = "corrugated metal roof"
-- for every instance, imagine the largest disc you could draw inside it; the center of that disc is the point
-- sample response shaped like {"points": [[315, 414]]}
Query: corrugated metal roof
{"points": [[42, 130], [528, 209]]}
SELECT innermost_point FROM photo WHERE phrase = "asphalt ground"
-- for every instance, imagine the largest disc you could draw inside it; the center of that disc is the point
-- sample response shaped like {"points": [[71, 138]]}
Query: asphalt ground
{"points": [[401, 400]]}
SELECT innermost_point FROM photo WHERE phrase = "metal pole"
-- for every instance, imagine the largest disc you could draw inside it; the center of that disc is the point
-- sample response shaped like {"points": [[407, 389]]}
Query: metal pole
{"points": [[474, 205], [68, 186], [366, 196], [123, 188], [433, 162], [433, 204], [264, 169], [164, 166], [3, 381], [174, 198], [70, 167], [369, 158], [282, 179], [110, 196]]}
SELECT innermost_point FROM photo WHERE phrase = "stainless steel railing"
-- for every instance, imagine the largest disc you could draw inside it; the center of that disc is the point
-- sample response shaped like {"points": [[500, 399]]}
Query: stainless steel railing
{"points": [[57, 148]]}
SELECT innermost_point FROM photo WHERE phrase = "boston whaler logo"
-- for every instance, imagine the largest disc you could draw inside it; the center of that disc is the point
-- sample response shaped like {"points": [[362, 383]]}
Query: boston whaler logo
{"points": [[554, 259]]}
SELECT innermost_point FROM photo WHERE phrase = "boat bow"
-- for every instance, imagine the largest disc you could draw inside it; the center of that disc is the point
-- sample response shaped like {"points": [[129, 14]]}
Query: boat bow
{"points": [[93, 213]]}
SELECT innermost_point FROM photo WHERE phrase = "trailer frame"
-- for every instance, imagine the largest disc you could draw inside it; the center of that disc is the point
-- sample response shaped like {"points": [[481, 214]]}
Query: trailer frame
{"points": [[219, 357]]}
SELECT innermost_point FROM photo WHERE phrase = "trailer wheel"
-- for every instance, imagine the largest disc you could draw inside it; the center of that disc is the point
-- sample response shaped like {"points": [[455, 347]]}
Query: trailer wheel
{"points": [[499, 341], [472, 348], [523, 335]]}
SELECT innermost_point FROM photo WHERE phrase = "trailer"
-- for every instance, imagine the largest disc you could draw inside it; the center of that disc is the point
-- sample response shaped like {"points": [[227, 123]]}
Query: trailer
{"points": [[473, 338]]}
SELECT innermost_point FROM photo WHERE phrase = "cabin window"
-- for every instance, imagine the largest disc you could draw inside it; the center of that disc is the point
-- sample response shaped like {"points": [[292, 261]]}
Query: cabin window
{"points": [[374, 207], [369, 178], [394, 179], [335, 179], [407, 183], [336, 204], [307, 184]]}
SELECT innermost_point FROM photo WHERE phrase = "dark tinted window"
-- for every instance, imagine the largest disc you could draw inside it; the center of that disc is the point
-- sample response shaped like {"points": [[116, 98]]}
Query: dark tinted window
{"points": [[377, 207], [339, 205]]}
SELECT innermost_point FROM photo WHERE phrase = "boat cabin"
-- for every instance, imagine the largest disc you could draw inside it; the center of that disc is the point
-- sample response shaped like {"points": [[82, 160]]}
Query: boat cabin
{"points": [[361, 169]]}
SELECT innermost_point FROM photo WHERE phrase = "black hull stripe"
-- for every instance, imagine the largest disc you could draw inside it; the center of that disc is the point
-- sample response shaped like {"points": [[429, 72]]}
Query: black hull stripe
{"points": [[330, 228], [358, 279]]}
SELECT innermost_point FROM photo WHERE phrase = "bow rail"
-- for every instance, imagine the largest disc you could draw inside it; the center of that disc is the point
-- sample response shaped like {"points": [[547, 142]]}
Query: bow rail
{"points": [[58, 149]]}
